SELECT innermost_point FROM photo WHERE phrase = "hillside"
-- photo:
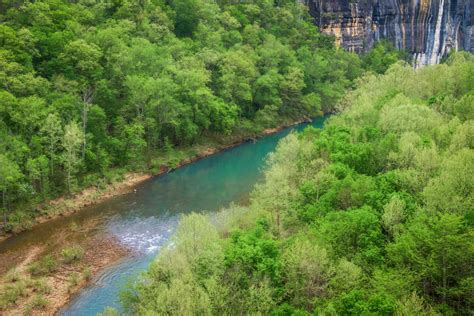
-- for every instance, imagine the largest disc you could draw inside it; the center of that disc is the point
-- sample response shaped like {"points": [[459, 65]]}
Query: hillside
{"points": [[372, 215]]}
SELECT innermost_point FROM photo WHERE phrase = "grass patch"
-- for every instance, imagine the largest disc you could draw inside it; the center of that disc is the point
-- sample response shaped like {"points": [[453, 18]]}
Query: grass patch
{"points": [[39, 302], [12, 276], [72, 254], [87, 273], [73, 280], [41, 286], [11, 293], [44, 266]]}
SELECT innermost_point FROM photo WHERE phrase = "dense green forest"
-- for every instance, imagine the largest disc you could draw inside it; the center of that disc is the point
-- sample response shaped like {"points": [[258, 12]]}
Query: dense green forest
{"points": [[91, 89], [373, 215]]}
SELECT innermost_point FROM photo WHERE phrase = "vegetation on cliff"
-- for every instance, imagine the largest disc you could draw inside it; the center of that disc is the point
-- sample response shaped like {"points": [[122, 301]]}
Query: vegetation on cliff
{"points": [[89, 88], [373, 215]]}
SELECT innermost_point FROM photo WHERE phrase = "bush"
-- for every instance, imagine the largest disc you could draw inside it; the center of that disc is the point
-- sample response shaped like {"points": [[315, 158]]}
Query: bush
{"points": [[18, 222], [39, 302], [12, 275], [87, 273], [74, 279], [42, 286], [72, 254], [109, 311], [45, 266], [11, 293]]}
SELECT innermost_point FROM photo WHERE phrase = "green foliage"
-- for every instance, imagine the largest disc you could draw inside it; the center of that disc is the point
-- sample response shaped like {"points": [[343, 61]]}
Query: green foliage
{"points": [[382, 56], [39, 302], [438, 249], [109, 311], [13, 275], [11, 293], [42, 286], [370, 216], [72, 254], [88, 88], [45, 265], [254, 252], [87, 273], [354, 234], [73, 279]]}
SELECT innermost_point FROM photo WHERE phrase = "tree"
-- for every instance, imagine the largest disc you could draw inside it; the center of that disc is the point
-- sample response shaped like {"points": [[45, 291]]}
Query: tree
{"points": [[291, 88], [52, 132], [82, 64], [382, 56], [142, 91], [453, 190], [438, 251], [71, 142], [134, 144], [266, 89], [38, 171], [187, 17], [394, 215], [307, 271], [464, 109], [10, 174], [354, 234], [237, 73]]}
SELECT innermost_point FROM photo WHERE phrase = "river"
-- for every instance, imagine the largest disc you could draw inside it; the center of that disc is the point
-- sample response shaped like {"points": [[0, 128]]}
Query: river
{"points": [[144, 220]]}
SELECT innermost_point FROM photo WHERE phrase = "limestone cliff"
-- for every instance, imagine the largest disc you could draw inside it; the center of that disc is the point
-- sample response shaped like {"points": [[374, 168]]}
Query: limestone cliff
{"points": [[427, 28]]}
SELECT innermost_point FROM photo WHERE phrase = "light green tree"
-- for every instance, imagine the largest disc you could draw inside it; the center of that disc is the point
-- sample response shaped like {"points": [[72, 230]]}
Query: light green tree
{"points": [[71, 142], [52, 133]]}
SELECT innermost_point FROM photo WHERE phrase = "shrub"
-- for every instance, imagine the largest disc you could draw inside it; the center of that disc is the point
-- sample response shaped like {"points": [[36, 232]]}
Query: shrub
{"points": [[109, 311], [46, 265], [11, 293], [42, 286], [72, 254], [39, 302], [87, 273], [74, 279], [12, 275]]}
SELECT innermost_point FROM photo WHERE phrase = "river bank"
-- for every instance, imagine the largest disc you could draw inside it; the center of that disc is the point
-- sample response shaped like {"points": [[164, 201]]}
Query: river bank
{"points": [[42, 284], [64, 206]]}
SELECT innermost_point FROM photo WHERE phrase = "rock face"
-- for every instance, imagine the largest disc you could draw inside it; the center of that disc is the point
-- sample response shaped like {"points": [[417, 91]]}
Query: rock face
{"points": [[427, 28]]}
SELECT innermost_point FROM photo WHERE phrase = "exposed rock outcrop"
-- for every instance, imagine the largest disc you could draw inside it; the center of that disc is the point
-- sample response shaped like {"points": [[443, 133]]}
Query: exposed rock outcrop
{"points": [[428, 29]]}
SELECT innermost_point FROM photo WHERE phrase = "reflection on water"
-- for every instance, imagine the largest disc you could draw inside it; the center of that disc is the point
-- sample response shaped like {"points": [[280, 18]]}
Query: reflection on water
{"points": [[145, 220]]}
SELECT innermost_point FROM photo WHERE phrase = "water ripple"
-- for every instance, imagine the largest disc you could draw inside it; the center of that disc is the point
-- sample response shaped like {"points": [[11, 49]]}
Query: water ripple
{"points": [[145, 235]]}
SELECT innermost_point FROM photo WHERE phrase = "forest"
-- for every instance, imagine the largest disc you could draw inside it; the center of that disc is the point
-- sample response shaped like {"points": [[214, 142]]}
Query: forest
{"points": [[372, 215], [92, 89]]}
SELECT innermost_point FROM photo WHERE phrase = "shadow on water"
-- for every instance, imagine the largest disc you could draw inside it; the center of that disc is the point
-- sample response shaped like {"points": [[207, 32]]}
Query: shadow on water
{"points": [[145, 220]]}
